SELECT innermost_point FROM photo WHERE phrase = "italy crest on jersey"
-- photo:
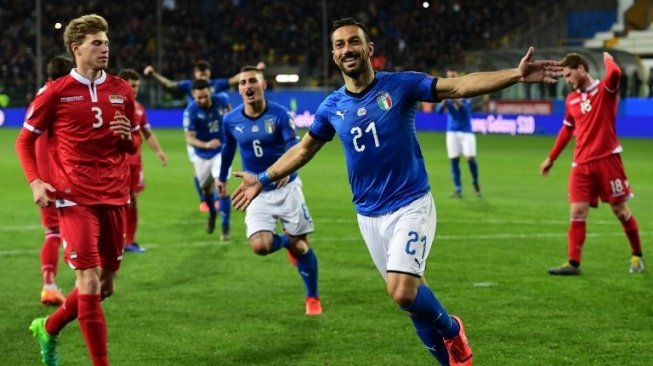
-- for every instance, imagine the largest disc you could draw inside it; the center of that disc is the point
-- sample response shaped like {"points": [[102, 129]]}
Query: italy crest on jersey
{"points": [[269, 126], [384, 100]]}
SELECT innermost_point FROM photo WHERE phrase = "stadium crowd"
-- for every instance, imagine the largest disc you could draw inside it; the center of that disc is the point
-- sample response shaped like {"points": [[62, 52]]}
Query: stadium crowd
{"points": [[230, 33]]}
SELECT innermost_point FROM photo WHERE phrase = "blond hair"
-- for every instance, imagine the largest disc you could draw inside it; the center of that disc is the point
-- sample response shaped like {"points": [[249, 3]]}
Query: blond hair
{"points": [[78, 28]]}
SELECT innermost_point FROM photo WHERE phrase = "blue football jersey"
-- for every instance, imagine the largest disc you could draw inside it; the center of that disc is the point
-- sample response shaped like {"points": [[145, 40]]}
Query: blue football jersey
{"points": [[217, 86], [262, 140], [207, 123], [458, 120], [377, 129]]}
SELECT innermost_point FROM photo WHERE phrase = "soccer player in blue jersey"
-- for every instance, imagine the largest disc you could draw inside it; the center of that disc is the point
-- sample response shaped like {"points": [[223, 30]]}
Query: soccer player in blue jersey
{"points": [[460, 138], [203, 130], [263, 131], [201, 71], [374, 116]]}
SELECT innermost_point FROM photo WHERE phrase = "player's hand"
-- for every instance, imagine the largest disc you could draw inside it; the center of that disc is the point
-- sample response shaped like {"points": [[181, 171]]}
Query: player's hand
{"points": [[149, 69], [607, 56], [162, 157], [40, 191], [546, 166], [213, 144], [221, 187], [283, 181], [121, 126], [530, 71], [246, 191]]}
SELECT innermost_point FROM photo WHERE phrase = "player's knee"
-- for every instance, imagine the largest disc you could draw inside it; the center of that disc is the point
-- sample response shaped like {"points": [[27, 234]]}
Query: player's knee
{"points": [[402, 295], [260, 247]]}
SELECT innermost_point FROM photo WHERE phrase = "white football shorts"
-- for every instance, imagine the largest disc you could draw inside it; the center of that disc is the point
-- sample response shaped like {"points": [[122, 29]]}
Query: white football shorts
{"points": [[207, 170], [461, 143], [400, 241], [286, 204]]}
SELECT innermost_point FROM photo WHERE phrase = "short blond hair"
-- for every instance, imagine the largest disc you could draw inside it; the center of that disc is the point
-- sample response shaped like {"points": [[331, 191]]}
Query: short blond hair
{"points": [[78, 28]]}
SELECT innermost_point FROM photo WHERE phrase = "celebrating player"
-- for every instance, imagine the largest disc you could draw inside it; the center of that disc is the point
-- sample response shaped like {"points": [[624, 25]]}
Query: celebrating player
{"points": [[597, 170], [203, 130], [374, 117], [264, 130]]}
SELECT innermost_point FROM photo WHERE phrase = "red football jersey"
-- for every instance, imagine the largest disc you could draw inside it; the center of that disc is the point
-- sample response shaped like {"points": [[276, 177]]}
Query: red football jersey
{"points": [[592, 114], [141, 121], [88, 163]]}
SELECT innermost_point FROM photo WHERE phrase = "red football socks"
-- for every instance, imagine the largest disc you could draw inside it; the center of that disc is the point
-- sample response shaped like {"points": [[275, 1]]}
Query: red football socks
{"points": [[93, 327], [576, 239]]}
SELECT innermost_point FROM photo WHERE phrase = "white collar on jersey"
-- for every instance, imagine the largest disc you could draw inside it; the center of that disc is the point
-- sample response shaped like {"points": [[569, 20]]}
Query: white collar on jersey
{"points": [[590, 88], [79, 77]]}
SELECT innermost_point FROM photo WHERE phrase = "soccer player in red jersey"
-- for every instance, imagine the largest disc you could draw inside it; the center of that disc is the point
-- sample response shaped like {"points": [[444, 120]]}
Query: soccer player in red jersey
{"points": [[132, 77], [597, 170], [57, 67], [89, 116]]}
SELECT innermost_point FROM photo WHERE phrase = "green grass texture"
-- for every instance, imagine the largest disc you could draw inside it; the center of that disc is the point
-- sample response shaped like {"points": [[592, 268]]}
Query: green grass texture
{"points": [[194, 300]]}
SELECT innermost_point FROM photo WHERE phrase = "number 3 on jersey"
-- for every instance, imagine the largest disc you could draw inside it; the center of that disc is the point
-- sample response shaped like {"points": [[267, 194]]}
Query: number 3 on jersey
{"points": [[98, 117], [358, 133]]}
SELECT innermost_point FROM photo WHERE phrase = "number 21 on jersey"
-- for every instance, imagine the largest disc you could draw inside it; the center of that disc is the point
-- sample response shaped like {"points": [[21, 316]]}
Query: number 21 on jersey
{"points": [[358, 133]]}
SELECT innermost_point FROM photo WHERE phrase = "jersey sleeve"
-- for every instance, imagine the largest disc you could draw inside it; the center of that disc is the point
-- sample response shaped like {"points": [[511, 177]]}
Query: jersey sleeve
{"points": [[569, 118], [189, 123], [185, 86], [420, 86], [612, 76], [40, 112], [288, 130], [223, 99], [37, 120], [321, 129], [220, 85]]}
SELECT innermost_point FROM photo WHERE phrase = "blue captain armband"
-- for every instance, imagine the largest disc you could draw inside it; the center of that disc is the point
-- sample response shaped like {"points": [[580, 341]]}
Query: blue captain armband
{"points": [[264, 178]]}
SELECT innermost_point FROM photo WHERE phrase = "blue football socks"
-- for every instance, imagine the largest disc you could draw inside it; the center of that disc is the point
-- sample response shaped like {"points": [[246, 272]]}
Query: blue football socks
{"points": [[427, 307], [455, 174], [307, 268]]}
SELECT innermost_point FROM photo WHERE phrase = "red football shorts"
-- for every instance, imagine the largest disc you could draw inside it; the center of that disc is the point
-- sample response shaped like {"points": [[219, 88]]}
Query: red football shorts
{"points": [[137, 180], [49, 217], [93, 236], [603, 178]]}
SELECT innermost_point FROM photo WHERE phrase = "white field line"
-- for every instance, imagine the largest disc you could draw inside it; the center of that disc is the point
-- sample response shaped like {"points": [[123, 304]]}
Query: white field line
{"points": [[319, 221], [325, 240]]}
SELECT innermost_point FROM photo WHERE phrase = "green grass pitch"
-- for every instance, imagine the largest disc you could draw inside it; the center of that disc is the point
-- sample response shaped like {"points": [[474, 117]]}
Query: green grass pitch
{"points": [[192, 300]]}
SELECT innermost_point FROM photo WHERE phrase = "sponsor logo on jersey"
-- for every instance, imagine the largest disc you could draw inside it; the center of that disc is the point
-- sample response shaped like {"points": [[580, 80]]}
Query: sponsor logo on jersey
{"points": [[384, 100], [341, 114], [115, 98], [269, 126], [240, 128], [76, 98], [361, 112]]}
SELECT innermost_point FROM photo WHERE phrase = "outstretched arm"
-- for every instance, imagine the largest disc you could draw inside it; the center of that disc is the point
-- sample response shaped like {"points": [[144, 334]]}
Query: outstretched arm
{"points": [[167, 83], [478, 83], [289, 162]]}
